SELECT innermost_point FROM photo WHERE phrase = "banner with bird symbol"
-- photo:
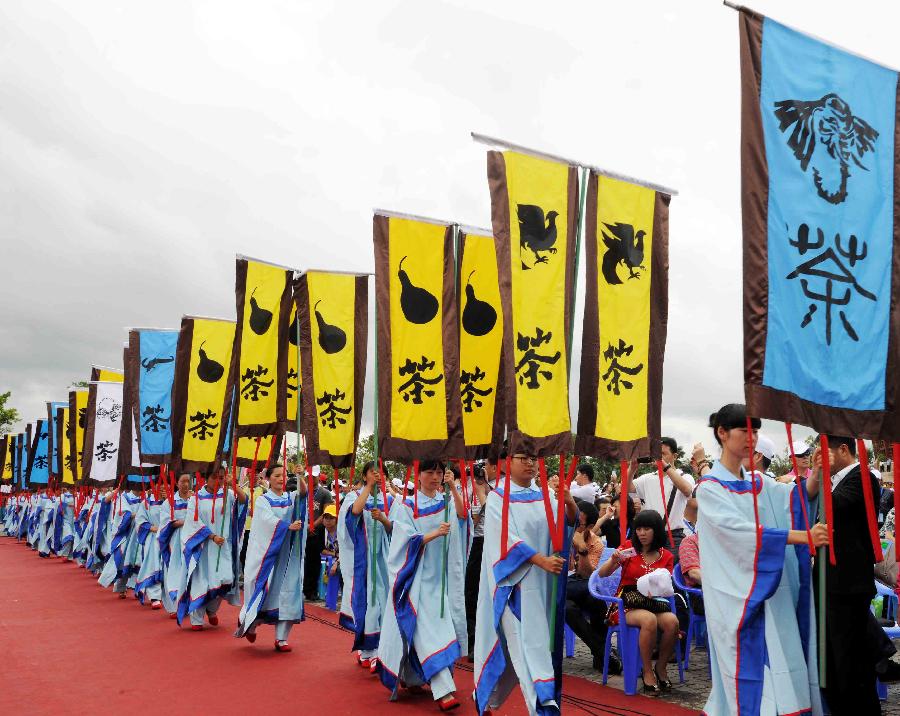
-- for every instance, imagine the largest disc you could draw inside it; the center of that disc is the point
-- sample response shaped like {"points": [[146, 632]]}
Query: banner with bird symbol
{"points": [[625, 316], [129, 432], [152, 359], [63, 425], [480, 344], [78, 400], [100, 458], [534, 210], [54, 442], [821, 273], [333, 310], [263, 294], [202, 392], [419, 410], [38, 470]]}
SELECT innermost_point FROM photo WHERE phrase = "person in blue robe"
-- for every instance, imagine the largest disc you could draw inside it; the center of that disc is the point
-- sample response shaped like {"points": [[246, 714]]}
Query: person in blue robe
{"points": [[273, 570], [423, 631], [148, 583], [757, 589], [211, 546], [170, 546], [123, 563], [364, 552], [64, 524], [512, 626], [47, 512]]}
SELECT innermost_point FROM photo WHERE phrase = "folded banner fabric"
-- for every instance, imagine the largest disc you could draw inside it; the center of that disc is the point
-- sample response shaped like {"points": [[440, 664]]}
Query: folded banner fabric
{"points": [[821, 271], [626, 308], [480, 345], [202, 393], [419, 408], [534, 210], [333, 310], [263, 294]]}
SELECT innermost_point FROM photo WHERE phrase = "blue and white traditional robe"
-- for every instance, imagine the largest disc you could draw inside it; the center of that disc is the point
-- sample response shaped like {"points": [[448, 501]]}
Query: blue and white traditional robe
{"points": [[148, 583], [759, 603], [64, 525], [273, 569], [170, 552], [83, 525], [417, 644], [366, 604], [23, 517], [345, 545], [47, 512], [124, 560], [512, 642], [207, 576], [98, 544]]}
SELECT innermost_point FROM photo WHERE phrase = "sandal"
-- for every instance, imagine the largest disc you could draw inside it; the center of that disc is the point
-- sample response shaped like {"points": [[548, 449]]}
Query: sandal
{"points": [[282, 646], [448, 703], [212, 619], [650, 688], [664, 683]]}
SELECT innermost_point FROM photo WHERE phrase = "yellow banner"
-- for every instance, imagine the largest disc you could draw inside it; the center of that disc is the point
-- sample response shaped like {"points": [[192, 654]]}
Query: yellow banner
{"points": [[538, 210], [207, 384], [624, 247], [79, 421], [332, 302], [6, 465], [480, 338], [263, 291], [294, 372], [64, 447], [416, 274], [246, 449], [107, 375]]}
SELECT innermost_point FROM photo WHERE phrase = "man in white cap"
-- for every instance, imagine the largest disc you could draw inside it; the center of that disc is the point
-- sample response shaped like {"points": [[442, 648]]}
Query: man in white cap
{"points": [[762, 457], [802, 452]]}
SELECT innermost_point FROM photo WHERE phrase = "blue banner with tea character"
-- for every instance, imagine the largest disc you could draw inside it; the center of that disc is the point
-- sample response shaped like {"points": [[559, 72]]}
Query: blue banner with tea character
{"points": [[154, 352], [818, 162], [38, 466]]}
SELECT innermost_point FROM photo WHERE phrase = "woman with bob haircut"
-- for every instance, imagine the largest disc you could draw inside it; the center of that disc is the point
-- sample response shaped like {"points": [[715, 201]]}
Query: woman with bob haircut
{"points": [[637, 557], [757, 592]]}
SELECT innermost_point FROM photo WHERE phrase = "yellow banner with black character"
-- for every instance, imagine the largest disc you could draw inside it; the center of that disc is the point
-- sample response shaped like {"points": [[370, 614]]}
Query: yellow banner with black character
{"points": [[480, 344], [333, 311], [202, 392], [419, 408], [246, 451], [626, 308], [78, 403], [263, 293], [534, 211]]}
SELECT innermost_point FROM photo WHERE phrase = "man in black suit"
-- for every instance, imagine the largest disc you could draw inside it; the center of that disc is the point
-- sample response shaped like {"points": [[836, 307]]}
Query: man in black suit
{"points": [[849, 587]]}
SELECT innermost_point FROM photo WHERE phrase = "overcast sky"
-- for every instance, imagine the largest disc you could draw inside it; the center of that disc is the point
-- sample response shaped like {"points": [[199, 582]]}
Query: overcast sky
{"points": [[143, 144]]}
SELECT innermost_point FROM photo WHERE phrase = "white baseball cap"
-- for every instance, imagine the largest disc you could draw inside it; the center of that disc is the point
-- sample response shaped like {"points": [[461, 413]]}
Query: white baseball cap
{"points": [[765, 447], [800, 448]]}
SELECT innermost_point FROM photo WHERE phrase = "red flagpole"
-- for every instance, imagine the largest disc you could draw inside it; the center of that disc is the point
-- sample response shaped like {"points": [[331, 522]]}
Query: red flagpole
{"points": [[545, 493], [623, 504], [662, 492], [504, 521], [863, 454], [416, 490], [252, 479], [406, 481]]}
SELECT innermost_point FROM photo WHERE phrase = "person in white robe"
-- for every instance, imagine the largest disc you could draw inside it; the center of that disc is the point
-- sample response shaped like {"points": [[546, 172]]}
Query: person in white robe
{"points": [[512, 626], [123, 563], [757, 589], [423, 631], [170, 546], [148, 583], [64, 525], [273, 570]]}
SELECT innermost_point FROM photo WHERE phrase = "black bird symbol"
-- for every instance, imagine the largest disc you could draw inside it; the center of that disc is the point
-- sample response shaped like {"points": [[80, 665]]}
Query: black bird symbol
{"points": [[151, 364], [534, 234], [826, 134], [624, 246]]}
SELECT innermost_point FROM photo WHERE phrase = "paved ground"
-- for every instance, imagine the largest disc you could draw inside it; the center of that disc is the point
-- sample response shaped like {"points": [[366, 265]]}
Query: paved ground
{"points": [[692, 693]]}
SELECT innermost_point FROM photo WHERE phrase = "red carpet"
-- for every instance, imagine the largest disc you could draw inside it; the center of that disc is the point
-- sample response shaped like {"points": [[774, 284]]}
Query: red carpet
{"points": [[68, 646]]}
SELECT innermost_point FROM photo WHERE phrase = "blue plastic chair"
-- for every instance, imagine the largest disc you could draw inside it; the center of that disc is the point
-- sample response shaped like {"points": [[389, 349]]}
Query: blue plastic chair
{"points": [[570, 642], [889, 597], [695, 621], [605, 588]]}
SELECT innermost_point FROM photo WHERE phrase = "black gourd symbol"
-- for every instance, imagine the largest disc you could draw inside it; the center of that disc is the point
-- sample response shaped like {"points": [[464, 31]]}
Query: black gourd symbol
{"points": [[260, 318], [478, 316], [417, 304], [331, 338], [208, 370]]}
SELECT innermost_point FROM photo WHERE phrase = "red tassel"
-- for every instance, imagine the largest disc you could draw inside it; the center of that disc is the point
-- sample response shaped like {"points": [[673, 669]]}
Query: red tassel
{"points": [[504, 520], [383, 485], [233, 471], [197, 498], [895, 459], [337, 492], [799, 483], [753, 490], [406, 481], [870, 501], [472, 491], [463, 479], [416, 490], [623, 504], [310, 495], [545, 493], [662, 492], [252, 480], [826, 496]]}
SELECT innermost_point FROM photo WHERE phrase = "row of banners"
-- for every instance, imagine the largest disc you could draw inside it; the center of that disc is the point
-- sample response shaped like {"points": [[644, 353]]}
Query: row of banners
{"points": [[473, 344]]}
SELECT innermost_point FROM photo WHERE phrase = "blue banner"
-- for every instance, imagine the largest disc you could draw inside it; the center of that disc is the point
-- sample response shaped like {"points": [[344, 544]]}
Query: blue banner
{"points": [[54, 442], [828, 123], [39, 461], [157, 374]]}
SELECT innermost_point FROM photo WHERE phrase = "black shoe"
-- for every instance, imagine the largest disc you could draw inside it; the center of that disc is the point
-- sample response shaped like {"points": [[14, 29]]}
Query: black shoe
{"points": [[888, 671], [615, 665]]}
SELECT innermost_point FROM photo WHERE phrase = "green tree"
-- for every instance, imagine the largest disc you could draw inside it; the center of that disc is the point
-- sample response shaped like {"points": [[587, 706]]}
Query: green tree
{"points": [[8, 415], [79, 384]]}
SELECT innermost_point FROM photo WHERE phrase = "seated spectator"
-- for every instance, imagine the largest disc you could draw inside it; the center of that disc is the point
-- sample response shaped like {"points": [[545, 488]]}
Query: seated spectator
{"points": [[650, 615], [608, 524], [585, 614], [584, 487], [887, 529], [690, 556]]}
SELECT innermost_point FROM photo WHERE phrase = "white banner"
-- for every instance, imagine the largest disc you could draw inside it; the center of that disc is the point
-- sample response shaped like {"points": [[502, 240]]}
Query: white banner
{"points": [[107, 424]]}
